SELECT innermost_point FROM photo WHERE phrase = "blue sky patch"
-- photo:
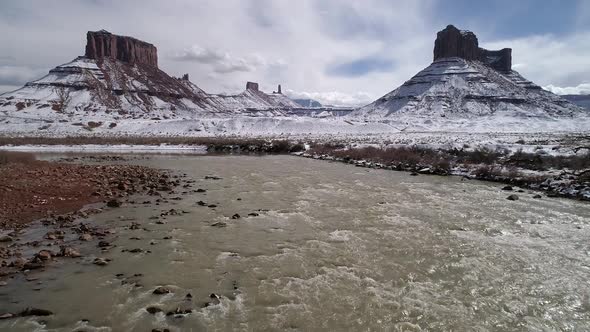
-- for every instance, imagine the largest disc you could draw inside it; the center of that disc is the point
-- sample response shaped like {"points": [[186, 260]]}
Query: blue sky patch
{"points": [[360, 67]]}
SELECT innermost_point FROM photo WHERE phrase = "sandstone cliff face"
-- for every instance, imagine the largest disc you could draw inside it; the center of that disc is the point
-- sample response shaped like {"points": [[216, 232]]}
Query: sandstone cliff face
{"points": [[103, 44], [500, 60], [452, 42], [251, 86]]}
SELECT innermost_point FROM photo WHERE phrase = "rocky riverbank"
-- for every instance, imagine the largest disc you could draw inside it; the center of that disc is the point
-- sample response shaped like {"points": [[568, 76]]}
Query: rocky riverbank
{"points": [[45, 209], [30, 191], [556, 176]]}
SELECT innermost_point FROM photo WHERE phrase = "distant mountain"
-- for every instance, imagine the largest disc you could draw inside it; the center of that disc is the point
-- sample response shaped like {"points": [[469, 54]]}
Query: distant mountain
{"points": [[118, 77], [467, 83], [307, 102], [580, 100]]}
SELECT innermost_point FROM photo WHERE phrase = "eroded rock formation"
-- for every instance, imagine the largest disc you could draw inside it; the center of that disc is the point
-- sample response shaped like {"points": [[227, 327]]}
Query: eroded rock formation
{"points": [[252, 86], [103, 44], [452, 42]]}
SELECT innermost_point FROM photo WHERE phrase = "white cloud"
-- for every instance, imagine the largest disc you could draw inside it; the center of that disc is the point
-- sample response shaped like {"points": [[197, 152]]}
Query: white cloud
{"points": [[271, 42], [580, 89], [334, 98], [8, 88], [275, 42], [549, 59], [17, 75], [221, 62]]}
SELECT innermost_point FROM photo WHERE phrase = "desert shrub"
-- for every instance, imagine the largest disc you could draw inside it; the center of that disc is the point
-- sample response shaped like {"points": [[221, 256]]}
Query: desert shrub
{"points": [[527, 160], [16, 157], [281, 146], [321, 149], [298, 147], [478, 156], [92, 124], [407, 155], [443, 166], [541, 162], [486, 172], [327, 146]]}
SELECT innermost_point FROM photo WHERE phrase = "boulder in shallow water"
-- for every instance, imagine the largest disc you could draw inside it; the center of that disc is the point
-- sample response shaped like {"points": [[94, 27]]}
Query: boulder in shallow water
{"points": [[100, 261], [35, 312], [179, 312], [161, 290], [512, 198], [103, 244], [44, 255], [153, 310], [215, 300], [6, 238], [114, 203], [85, 237], [69, 252]]}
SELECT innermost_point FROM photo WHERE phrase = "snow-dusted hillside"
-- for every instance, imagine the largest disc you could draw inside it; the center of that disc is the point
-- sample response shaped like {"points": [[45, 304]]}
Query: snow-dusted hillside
{"points": [[116, 88], [455, 87], [104, 88], [118, 79], [88, 87], [467, 88], [252, 101]]}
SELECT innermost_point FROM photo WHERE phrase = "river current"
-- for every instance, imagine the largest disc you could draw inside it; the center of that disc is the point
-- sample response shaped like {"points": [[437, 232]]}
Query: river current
{"points": [[322, 246]]}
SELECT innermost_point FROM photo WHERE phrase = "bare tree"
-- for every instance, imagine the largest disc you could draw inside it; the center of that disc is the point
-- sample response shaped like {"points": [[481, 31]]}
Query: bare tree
{"points": [[63, 99]]}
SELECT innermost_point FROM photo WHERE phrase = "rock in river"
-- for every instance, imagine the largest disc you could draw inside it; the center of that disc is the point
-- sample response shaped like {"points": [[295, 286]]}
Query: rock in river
{"points": [[153, 310], [5, 238], [85, 237], [35, 312], [100, 261], [44, 255], [114, 203], [69, 252], [161, 290]]}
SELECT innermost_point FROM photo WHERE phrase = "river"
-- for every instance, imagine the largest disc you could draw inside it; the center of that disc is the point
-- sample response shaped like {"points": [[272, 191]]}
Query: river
{"points": [[328, 247]]}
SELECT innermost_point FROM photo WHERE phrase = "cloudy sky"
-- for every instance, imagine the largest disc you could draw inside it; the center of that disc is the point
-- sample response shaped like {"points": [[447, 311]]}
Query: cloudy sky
{"points": [[345, 52]]}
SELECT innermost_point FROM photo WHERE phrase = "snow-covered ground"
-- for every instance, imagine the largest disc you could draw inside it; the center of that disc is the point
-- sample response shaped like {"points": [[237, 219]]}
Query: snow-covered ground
{"points": [[110, 148], [452, 101]]}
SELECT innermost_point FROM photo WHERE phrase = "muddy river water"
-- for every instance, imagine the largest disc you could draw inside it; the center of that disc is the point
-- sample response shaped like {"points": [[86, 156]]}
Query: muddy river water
{"points": [[328, 247]]}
